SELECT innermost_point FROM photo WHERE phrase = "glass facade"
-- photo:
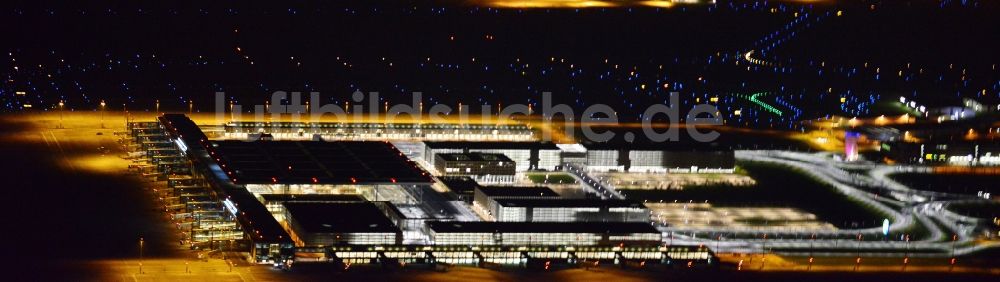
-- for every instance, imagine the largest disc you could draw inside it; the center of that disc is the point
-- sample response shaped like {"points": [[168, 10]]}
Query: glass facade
{"points": [[379, 131], [550, 238], [598, 159], [501, 255], [567, 214], [546, 159]]}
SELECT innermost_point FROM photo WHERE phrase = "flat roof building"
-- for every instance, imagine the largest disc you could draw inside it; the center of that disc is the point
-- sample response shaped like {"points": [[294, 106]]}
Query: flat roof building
{"points": [[275, 203], [464, 187], [395, 130], [317, 167], [324, 224], [660, 157], [483, 167], [321, 198], [516, 192], [566, 210], [316, 162], [486, 197], [526, 155], [542, 233]]}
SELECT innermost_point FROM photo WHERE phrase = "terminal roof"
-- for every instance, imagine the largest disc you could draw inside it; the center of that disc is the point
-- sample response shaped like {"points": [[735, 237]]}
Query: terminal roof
{"points": [[339, 217], [316, 162], [540, 227]]}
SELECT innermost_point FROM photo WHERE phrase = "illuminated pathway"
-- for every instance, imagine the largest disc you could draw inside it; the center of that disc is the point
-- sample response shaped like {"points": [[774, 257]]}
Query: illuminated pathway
{"points": [[596, 186]]}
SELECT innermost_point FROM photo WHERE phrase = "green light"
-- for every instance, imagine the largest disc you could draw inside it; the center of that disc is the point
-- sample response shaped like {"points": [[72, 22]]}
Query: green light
{"points": [[765, 106]]}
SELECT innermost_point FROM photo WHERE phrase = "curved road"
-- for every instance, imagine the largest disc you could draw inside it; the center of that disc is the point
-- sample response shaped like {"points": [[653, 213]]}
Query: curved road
{"points": [[907, 209]]}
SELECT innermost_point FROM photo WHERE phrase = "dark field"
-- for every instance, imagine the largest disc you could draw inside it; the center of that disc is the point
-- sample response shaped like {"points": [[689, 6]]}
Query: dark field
{"points": [[64, 205]]}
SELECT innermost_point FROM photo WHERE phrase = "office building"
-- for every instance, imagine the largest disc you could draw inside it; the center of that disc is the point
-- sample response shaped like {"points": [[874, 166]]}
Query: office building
{"points": [[483, 167]]}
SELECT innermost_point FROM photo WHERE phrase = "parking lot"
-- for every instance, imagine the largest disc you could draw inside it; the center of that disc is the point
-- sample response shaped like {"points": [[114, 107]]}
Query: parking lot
{"points": [[676, 181], [704, 215]]}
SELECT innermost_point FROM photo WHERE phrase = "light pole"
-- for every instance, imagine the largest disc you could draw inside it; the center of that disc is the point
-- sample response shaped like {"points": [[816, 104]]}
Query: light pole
{"points": [[102, 113], [951, 265], [906, 253], [157, 106], [140, 254], [61, 105], [812, 247], [857, 263], [717, 241]]}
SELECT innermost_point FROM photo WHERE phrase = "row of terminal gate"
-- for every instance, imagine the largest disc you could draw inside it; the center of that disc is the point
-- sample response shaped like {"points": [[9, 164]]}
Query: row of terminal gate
{"points": [[182, 192]]}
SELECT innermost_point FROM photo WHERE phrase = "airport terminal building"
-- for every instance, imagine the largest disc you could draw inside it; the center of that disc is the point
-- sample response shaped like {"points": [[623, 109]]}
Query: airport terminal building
{"points": [[244, 178], [326, 224], [542, 233], [654, 157], [568, 210], [364, 201], [526, 155], [304, 131]]}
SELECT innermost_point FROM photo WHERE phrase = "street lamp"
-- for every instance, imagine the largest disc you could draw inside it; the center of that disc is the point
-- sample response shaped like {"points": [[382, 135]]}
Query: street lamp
{"points": [[140, 254], [906, 253], [717, 241], [812, 247], [951, 265], [102, 113], [61, 105], [857, 262]]}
